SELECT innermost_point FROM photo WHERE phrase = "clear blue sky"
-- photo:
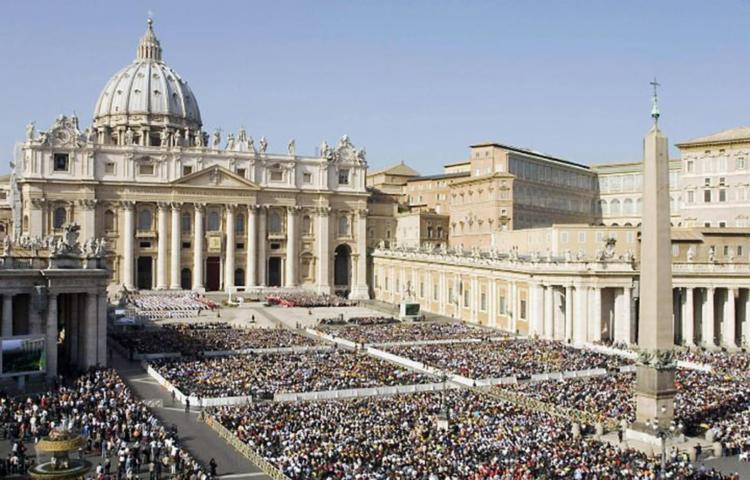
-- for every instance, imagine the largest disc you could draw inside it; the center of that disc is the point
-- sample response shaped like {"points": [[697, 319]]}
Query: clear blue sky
{"points": [[417, 81]]}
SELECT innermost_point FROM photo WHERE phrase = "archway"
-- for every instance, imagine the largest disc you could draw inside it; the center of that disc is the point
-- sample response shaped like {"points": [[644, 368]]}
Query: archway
{"points": [[342, 267], [145, 273], [186, 279]]}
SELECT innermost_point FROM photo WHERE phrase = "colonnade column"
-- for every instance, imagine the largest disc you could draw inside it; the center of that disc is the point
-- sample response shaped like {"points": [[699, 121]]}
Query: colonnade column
{"points": [[493, 302], [688, 317], [7, 328], [51, 352], [549, 313], [324, 249], [728, 317], [229, 254], [128, 235], [102, 331], [708, 318], [627, 320], [291, 246], [535, 309], [161, 258], [198, 247], [746, 320], [360, 291], [595, 319], [513, 303], [252, 246], [90, 327], [174, 264], [262, 261], [568, 313]]}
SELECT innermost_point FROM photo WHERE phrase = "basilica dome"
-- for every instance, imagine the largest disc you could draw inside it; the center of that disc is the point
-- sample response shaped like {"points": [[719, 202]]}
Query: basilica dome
{"points": [[147, 97]]}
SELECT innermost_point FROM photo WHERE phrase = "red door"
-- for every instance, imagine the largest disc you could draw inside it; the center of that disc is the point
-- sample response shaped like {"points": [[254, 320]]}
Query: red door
{"points": [[213, 273]]}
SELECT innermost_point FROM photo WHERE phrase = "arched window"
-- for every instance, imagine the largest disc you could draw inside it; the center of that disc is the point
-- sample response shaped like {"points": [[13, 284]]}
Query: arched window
{"points": [[145, 219], [614, 207], [59, 216], [214, 222], [274, 223], [343, 226], [25, 223], [440, 232], [306, 225], [185, 224], [239, 278], [109, 221], [388, 234], [603, 208], [429, 232], [628, 207], [239, 225]]}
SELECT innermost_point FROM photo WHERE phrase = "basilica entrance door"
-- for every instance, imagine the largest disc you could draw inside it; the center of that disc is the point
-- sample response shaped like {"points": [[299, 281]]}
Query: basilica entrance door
{"points": [[213, 274], [274, 272], [145, 273]]}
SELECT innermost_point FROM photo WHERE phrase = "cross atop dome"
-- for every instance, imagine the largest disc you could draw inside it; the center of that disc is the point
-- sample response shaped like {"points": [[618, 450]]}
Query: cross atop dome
{"points": [[149, 47]]}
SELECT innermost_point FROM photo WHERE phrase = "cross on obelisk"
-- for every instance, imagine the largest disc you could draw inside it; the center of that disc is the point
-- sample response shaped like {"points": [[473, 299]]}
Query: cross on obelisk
{"points": [[655, 389], [655, 101]]}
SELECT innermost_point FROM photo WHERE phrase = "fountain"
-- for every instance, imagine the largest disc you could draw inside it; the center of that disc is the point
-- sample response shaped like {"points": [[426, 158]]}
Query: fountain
{"points": [[53, 456]]}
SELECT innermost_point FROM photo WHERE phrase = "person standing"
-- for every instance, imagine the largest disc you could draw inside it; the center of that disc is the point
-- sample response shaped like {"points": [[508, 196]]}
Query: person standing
{"points": [[212, 466]]}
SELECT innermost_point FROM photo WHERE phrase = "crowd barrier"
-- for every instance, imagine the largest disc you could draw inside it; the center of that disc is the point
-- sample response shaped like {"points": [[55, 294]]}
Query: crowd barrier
{"points": [[694, 366], [264, 465], [245, 351], [425, 342], [195, 401], [331, 338], [362, 392], [610, 351], [155, 356]]}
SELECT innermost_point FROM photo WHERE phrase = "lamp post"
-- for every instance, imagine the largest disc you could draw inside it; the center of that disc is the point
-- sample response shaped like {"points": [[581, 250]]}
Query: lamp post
{"points": [[674, 430]]}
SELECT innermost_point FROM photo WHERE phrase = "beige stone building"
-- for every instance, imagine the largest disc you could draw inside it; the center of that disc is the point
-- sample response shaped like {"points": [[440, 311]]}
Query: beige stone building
{"points": [[422, 229], [182, 209]]}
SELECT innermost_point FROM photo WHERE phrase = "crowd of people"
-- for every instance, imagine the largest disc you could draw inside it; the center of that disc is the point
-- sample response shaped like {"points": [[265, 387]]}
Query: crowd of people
{"points": [[300, 298], [500, 359], [169, 305], [731, 363], [364, 321], [193, 338], [409, 332], [122, 434], [398, 437], [702, 399], [263, 375]]}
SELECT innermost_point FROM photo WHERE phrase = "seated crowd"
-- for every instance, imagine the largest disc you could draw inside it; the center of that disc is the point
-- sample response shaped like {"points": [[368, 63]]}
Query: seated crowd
{"points": [[701, 398], [397, 437], [409, 332], [732, 363], [370, 320], [192, 339], [300, 298], [119, 428], [169, 305], [501, 359], [263, 375]]}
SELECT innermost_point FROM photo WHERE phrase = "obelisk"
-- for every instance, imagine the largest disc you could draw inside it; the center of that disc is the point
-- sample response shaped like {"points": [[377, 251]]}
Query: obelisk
{"points": [[655, 389]]}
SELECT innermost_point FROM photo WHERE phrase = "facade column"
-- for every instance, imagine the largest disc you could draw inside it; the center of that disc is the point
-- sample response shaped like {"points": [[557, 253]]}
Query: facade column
{"points": [[174, 264], [727, 324], [262, 242], [88, 218], [492, 298], [252, 247], [568, 314], [161, 256], [291, 246], [580, 328], [746, 320], [51, 333], [360, 290], [7, 328], [549, 313], [89, 325], [128, 237], [627, 321], [595, 319], [707, 319], [230, 251], [513, 305], [535, 314], [101, 333], [688, 317], [198, 238], [324, 250]]}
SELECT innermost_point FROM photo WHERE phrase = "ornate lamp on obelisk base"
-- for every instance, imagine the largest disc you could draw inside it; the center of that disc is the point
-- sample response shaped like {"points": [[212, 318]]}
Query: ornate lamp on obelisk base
{"points": [[655, 390]]}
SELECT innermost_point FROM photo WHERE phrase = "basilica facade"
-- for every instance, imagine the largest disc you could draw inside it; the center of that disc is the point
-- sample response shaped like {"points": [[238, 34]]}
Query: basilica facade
{"points": [[179, 208]]}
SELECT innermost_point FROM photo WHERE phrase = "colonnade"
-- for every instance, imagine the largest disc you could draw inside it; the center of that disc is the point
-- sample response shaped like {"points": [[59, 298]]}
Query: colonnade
{"points": [[712, 316]]}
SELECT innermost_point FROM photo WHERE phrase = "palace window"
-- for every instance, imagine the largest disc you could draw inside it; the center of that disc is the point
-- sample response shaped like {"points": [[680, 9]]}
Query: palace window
{"points": [[274, 223], [522, 313], [239, 277], [483, 302], [277, 176], [343, 226], [185, 222], [307, 178], [239, 224], [109, 221], [187, 170], [241, 172], [707, 196], [344, 176], [60, 162], [306, 225], [59, 217], [109, 168], [722, 195], [501, 305], [145, 169], [740, 163], [144, 220], [213, 223]]}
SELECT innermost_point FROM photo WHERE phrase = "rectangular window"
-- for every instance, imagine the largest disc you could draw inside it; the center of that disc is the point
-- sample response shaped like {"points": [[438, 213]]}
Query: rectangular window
{"points": [[145, 244], [707, 196], [739, 250], [344, 176], [466, 298], [581, 237], [146, 169], [722, 224], [434, 293], [187, 170], [564, 237], [707, 182], [740, 163], [726, 250], [483, 302], [185, 245], [240, 246], [722, 181], [522, 313], [450, 295], [691, 196], [675, 250], [60, 162], [722, 195], [421, 289], [690, 166], [386, 284], [501, 305], [109, 168], [707, 224], [241, 172], [277, 175], [307, 178]]}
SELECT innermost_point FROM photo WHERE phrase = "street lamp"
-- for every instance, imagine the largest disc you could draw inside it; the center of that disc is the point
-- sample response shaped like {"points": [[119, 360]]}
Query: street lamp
{"points": [[674, 430]]}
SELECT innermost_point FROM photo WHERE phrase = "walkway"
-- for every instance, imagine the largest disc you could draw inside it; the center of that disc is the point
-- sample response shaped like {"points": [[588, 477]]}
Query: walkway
{"points": [[202, 442]]}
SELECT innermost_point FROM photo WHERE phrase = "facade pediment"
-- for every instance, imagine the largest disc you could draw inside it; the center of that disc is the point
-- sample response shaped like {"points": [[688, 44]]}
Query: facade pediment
{"points": [[215, 177]]}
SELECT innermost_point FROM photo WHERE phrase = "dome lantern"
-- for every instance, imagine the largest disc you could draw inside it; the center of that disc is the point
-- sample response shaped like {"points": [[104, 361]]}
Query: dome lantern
{"points": [[149, 47]]}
